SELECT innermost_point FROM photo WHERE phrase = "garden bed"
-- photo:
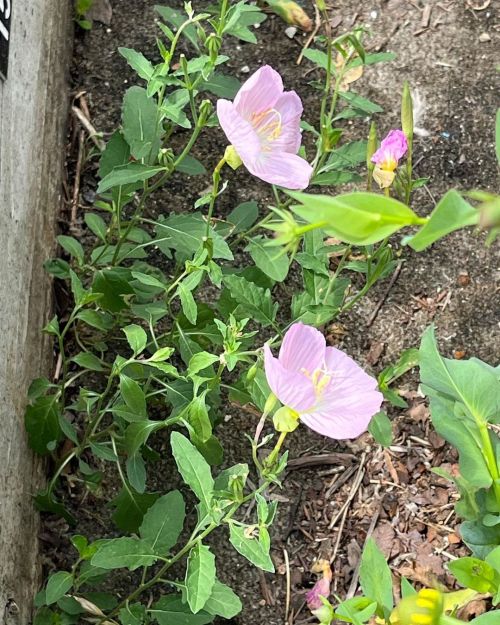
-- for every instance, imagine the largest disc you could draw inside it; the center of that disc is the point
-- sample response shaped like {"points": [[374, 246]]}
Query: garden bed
{"points": [[390, 493]]}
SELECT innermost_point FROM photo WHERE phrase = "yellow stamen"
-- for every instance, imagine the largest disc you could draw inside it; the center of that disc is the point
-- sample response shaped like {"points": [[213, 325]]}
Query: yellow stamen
{"points": [[272, 127]]}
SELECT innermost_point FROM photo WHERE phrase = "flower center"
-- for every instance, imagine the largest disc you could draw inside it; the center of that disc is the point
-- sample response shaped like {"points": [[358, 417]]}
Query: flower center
{"points": [[389, 164], [320, 379], [267, 124]]}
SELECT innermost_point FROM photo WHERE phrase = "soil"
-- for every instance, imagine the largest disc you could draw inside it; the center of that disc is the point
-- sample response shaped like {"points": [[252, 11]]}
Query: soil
{"points": [[451, 65]]}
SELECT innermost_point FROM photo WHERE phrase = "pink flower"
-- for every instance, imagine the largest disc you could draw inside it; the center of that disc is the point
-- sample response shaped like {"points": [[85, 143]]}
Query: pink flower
{"points": [[386, 158], [330, 392], [263, 125], [320, 589]]}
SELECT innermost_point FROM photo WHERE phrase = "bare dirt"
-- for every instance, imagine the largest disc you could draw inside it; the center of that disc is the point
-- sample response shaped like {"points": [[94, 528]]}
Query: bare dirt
{"points": [[451, 65]]}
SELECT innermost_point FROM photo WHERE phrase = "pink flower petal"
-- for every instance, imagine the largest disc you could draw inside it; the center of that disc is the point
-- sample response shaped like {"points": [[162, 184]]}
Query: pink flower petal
{"points": [[392, 148], [349, 401], [303, 349], [259, 93], [240, 133], [280, 168], [290, 109], [292, 389], [320, 589]]}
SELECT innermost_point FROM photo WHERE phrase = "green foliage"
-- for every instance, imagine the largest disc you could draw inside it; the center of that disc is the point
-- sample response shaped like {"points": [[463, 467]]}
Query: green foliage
{"points": [[171, 308], [464, 400]]}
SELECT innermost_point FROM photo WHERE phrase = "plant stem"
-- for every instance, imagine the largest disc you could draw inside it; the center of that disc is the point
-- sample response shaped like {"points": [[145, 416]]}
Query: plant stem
{"points": [[215, 190]]}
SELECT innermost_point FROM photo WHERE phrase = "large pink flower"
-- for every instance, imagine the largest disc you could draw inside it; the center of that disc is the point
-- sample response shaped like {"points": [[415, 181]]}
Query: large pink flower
{"points": [[329, 391], [263, 125]]}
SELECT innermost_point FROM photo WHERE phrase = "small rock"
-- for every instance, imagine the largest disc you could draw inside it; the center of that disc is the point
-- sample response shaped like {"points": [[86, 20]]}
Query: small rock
{"points": [[373, 15], [463, 279], [245, 69], [484, 37], [290, 32]]}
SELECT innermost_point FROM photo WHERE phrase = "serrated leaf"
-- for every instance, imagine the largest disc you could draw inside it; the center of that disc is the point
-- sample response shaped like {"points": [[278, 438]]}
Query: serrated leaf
{"points": [[273, 261], [254, 301], [138, 62]]}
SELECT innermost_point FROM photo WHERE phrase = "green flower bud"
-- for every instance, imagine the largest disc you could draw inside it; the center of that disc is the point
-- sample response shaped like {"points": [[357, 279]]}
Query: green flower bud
{"points": [[371, 147], [285, 420], [270, 403], [407, 112]]}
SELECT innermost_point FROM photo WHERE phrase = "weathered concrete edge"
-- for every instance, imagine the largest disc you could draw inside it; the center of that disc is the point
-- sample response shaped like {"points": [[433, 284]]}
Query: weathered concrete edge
{"points": [[33, 113]]}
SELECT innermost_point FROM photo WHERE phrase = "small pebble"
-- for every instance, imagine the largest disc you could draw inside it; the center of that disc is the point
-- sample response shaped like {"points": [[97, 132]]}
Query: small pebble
{"points": [[463, 279], [290, 32], [373, 15], [484, 37], [245, 69]]}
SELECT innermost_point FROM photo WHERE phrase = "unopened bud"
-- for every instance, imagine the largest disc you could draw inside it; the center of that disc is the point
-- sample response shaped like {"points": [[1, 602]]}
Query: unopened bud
{"points": [[232, 157], [285, 420], [407, 112], [292, 13], [252, 372], [213, 44], [371, 147], [205, 111], [270, 403]]}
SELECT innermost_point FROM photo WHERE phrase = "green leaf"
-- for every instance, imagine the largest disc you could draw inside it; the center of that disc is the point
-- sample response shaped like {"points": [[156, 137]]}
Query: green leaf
{"points": [[254, 549], [188, 304], [200, 576], [451, 213], [359, 218], [140, 123], [133, 614], [170, 610], [72, 246], [124, 552], [223, 601], [201, 361], [243, 216], [375, 578], [466, 387], [184, 234], [113, 284], [490, 618], [194, 469], [176, 18], [221, 85], [136, 337], [346, 157], [86, 360], [116, 153], [138, 62], [254, 301], [381, 429], [480, 539], [138, 433], [318, 57], [357, 102], [273, 261], [41, 420], [163, 522], [128, 174], [136, 472], [97, 319], [97, 225], [57, 586], [191, 166], [133, 395], [57, 267], [473, 573], [46, 502], [130, 508], [199, 419]]}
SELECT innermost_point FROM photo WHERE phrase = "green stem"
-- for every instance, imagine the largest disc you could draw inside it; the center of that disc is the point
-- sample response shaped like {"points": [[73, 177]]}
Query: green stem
{"points": [[489, 456], [215, 191]]}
